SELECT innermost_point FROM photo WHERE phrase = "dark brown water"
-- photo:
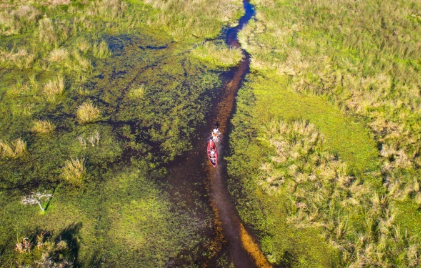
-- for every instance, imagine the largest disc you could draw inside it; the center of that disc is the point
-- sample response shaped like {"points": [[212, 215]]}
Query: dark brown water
{"points": [[193, 177]]}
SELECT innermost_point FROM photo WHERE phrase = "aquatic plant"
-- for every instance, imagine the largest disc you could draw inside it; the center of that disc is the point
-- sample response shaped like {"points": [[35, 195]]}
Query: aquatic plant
{"points": [[159, 86], [101, 50], [136, 92]]}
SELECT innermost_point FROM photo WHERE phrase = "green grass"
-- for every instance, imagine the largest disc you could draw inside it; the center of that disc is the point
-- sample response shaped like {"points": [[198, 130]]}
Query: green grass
{"points": [[268, 205], [194, 21], [297, 194], [350, 69], [345, 136], [103, 97], [218, 54], [127, 213]]}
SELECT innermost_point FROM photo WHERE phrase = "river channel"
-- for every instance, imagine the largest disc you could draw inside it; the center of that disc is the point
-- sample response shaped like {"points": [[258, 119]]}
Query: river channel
{"points": [[189, 175]]}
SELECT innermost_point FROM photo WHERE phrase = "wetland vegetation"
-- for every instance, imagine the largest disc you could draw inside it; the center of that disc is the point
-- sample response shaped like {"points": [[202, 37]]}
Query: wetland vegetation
{"points": [[99, 97], [96, 97], [326, 136]]}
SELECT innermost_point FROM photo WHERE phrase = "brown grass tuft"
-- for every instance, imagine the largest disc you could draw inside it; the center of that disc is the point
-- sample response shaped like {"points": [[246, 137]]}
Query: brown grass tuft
{"points": [[58, 55]]}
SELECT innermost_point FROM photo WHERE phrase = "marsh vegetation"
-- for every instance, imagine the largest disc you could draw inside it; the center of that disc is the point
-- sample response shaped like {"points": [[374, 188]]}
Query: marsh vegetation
{"points": [[96, 97], [328, 161]]}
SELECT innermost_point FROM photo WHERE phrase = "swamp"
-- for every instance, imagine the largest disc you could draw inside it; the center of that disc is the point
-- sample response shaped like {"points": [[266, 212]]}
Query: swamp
{"points": [[107, 106]]}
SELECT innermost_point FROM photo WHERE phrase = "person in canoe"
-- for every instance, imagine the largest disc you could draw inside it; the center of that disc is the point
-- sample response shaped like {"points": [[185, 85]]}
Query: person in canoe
{"points": [[212, 155], [216, 133], [212, 152]]}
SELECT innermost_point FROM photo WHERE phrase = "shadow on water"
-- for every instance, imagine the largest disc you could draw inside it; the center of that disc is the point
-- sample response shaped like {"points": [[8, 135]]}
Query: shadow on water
{"points": [[186, 174], [69, 234]]}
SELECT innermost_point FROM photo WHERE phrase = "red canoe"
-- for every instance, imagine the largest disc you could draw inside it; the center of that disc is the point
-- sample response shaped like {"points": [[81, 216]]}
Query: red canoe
{"points": [[212, 153]]}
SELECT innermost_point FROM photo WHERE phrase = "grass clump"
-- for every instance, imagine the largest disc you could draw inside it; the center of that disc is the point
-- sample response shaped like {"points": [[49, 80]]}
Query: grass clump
{"points": [[42, 126], [218, 54], [74, 171], [304, 191], [14, 149], [137, 92], [58, 55], [54, 88], [22, 58], [101, 50], [87, 112], [193, 21]]}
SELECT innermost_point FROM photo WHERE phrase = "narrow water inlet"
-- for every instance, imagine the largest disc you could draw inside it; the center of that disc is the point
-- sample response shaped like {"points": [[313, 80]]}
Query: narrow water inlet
{"points": [[189, 176], [242, 249]]}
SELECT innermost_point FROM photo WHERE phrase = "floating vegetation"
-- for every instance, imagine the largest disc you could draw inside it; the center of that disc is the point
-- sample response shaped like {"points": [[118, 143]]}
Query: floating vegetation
{"points": [[137, 92], [94, 92]]}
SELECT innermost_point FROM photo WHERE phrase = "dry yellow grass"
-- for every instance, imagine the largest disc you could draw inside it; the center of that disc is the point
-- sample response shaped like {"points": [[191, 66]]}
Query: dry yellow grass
{"points": [[53, 88], [74, 171], [21, 59], [58, 55], [14, 149], [42, 126], [253, 249], [87, 112]]}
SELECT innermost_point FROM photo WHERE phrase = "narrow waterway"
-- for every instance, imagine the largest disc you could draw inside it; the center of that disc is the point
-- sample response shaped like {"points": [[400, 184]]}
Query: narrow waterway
{"points": [[192, 173]]}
